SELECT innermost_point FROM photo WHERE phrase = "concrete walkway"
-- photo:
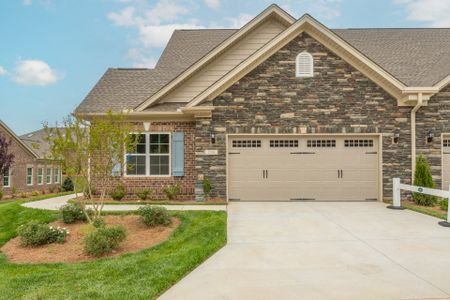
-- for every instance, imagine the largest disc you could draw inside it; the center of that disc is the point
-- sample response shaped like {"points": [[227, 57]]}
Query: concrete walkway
{"points": [[56, 202], [307, 250]]}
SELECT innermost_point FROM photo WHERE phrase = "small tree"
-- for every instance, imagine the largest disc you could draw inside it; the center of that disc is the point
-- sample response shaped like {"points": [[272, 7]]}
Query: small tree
{"points": [[422, 177], [6, 157], [89, 151]]}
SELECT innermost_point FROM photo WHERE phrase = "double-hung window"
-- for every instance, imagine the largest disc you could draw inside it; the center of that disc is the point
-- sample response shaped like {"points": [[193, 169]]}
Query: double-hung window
{"points": [[7, 178], [29, 175], [40, 175], [151, 156], [48, 178], [56, 175]]}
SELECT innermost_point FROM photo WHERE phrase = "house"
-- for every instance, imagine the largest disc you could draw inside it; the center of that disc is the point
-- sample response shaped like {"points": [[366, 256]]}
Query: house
{"points": [[32, 170], [286, 109]]}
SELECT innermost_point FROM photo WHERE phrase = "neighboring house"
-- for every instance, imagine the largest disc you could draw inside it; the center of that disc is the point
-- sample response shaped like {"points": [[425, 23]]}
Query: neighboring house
{"points": [[286, 109], [31, 169]]}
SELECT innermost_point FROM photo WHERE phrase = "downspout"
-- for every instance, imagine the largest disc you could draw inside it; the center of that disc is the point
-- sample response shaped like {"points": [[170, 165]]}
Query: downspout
{"points": [[413, 134]]}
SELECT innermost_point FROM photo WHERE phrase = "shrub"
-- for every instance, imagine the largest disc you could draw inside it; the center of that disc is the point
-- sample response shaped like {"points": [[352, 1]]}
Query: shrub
{"points": [[422, 177], [51, 189], [104, 240], [172, 191], [118, 192], [35, 193], [13, 192], [1, 195], [73, 212], [443, 204], [207, 187], [23, 195], [98, 222], [145, 194], [67, 184], [154, 215], [36, 234]]}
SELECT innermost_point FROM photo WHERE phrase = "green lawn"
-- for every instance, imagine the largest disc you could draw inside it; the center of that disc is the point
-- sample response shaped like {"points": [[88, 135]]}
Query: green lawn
{"points": [[142, 275]]}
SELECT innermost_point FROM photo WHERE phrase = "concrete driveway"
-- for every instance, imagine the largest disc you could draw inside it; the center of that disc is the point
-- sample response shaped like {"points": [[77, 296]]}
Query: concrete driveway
{"points": [[324, 251]]}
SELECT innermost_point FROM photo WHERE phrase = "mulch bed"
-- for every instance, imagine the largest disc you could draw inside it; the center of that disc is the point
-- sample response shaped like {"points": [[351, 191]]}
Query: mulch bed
{"points": [[139, 237]]}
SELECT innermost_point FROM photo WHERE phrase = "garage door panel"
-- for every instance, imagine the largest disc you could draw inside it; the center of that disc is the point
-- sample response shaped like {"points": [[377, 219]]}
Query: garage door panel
{"points": [[320, 168]]}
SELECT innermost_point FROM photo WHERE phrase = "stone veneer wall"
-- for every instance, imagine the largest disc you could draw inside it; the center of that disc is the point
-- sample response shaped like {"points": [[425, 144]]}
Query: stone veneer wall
{"points": [[338, 99], [434, 117], [187, 182]]}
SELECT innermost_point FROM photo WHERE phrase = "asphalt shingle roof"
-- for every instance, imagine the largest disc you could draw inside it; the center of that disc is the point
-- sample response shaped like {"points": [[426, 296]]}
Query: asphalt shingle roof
{"points": [[417, 57], [37, 141]]}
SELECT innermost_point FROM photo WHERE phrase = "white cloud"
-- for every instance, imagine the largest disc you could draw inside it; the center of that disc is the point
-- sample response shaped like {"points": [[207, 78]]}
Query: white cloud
{"points": [[141, 58], [239, 21], [436, 13], [154, 26], [124, 18], [157, 36], [320, 9], [164, 11], [2, 71], [213, 4], [35, 72]]}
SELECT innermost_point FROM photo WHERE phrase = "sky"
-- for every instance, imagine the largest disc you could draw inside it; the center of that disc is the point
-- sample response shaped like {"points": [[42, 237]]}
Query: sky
{"points": [[52, 52]]}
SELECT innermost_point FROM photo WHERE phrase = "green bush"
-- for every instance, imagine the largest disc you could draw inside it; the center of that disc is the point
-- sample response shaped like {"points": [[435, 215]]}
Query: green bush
{"points": [[145, 194], [23, 195], [104, 240], [443, 204], [154, 215], [422, 177], [1, 195], [36, 234], [172, 191], [67, 184], [13, 192], [73, 212], [207, 187], [98, 222], [35, 193], [119, 192]]}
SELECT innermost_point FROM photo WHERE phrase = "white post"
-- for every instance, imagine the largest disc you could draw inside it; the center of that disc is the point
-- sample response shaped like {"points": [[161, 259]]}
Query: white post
{"points": [[395, 194], [396, 190], [448, 204]]}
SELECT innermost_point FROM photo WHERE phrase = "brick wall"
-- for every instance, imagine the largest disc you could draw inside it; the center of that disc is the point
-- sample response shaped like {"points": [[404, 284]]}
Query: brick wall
{"points": [[338, 99], [187, 182], [22, 159]]}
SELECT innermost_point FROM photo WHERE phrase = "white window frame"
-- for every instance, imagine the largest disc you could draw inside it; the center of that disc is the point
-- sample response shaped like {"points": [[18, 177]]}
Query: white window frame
{"points": [[47, 175], [40, 177], [147, 155], [30, 176], [9, 178], [56, 175], [310, 58]]}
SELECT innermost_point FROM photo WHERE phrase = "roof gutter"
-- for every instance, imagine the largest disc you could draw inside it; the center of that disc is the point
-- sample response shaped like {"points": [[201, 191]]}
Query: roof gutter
{"points": [[413, 134]]}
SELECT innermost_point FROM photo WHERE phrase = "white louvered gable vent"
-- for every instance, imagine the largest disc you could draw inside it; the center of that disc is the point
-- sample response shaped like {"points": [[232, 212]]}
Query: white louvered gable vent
{"points": [[304, 65]]}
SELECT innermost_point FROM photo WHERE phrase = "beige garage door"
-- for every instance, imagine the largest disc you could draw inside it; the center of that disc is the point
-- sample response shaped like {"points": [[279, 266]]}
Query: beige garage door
{"points": [[446, 162], [303, 168]]}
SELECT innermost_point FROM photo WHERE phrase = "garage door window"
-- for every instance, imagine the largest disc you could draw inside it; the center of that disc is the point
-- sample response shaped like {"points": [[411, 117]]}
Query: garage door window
{"points": [[321, 143], [283, 143], [246, 144], [358, 143], [446, 143]]}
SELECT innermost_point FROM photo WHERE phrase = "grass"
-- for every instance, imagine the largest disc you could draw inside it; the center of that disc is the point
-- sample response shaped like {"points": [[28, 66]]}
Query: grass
{"points": [[35, 198], [142, 275], [423, 209]]}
